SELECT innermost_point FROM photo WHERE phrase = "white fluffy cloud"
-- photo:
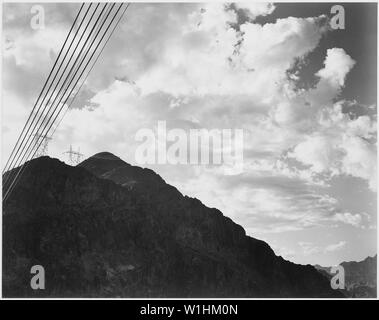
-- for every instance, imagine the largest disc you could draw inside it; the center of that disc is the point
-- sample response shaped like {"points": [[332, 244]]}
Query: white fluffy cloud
{"points": [[341, 146], [352, 219], [207, 75], [316, 151], [335, 143], [337, 66], [210, 57], [194, 68], [254, 10]]}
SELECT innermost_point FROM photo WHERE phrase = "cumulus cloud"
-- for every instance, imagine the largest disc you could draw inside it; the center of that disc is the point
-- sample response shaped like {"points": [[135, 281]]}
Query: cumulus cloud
{"points": [[210, 57], [317, 152], [346, 217], [337, 66], [254, 10], [195, 66], [336, 144], [341, 146]]}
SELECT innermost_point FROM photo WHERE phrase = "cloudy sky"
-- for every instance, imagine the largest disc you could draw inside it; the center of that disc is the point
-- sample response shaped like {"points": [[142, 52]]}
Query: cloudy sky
{"points": [[303, 93]]}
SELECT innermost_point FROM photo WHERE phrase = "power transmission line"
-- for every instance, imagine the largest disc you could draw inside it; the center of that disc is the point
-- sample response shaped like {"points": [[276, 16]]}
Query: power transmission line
{"points": [[42, 150], [23, 167], [74, 156], [50, 116], [97, 58], [72, 68], [43, 88], [18, 155], [22, 145]]}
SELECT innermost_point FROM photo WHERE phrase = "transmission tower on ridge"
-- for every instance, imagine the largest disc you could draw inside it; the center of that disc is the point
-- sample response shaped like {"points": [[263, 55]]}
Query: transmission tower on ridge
{"points": [[74, 157], [41, 143]]}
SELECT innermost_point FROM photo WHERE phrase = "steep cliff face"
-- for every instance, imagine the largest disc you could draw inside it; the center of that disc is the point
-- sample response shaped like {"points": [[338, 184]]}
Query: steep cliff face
{"points": [[109, 229]]}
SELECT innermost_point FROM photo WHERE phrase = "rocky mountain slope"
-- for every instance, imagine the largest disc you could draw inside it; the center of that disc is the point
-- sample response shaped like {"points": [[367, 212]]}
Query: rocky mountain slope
{"points": [[109, 229], [360, 277]]}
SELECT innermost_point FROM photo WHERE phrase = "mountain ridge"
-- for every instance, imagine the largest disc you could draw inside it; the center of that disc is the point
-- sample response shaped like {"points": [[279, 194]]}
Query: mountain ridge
{"points": [[360, 277], [116, 230]]}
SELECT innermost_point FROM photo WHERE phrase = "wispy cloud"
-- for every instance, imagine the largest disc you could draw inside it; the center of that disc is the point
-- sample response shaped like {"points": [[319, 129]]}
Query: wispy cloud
{"points": [[311, 248]]}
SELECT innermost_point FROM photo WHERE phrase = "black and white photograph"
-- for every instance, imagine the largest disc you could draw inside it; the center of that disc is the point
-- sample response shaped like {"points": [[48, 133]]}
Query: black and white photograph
{"points": [[189, 150]]}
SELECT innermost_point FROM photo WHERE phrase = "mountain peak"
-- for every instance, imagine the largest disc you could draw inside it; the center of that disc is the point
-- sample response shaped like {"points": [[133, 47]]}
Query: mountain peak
{"points": [[106, 165], [105, 155], [134, 236]]}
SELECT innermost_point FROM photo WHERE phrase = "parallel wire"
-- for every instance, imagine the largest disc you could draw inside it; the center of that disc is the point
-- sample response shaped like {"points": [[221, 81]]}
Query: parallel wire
{"points": [[24, 165], [89, 60], [98, 56], [51, 106], [53, 91], [81, 85], [22, 145], [43, 88], [51, 115], [11, 171]]}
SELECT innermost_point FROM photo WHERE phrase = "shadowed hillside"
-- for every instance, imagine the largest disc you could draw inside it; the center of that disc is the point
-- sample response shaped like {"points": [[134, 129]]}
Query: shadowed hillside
{"points": [[109, 229]]}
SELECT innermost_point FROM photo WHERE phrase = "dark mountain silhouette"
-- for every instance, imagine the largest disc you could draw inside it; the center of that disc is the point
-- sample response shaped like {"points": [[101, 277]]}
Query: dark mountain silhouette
{"points": [[360, 277], [109, 229]]}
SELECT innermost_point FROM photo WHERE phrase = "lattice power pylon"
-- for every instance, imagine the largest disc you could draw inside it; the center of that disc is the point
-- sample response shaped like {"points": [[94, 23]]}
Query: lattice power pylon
{"points": [[41, 143], [74, 157]]}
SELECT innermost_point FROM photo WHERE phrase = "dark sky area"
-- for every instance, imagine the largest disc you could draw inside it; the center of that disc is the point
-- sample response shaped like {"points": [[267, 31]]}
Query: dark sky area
{"points": [[358, 39]]}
